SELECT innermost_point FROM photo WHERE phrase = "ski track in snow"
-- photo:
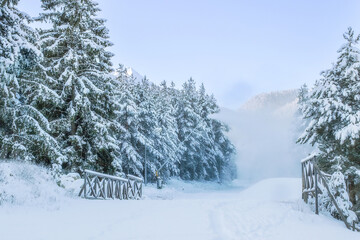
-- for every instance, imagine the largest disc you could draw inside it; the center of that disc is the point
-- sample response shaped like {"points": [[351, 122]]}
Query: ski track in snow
{"points": [[271, 209]]}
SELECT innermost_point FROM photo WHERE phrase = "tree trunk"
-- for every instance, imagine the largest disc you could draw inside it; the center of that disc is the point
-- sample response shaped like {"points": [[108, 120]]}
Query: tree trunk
{"points": [[73, 124]]}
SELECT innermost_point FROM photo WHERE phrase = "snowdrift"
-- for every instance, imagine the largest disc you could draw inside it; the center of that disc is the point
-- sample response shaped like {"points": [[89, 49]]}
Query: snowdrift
{"points": [[274, 189], [26, 184]]}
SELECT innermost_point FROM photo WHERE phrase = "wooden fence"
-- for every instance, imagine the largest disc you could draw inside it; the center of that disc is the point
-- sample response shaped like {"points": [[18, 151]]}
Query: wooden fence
{"points": [[312, 177], [103, 186]]}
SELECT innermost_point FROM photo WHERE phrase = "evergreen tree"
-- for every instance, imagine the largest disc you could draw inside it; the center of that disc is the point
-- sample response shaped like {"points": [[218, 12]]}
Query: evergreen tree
{"points": [[79, 67], [333, 113], [148, 125], [209, 151], [332, 107], [166, 131], [128, 118], [24, 131], [224, 152], [217, 151], [189, 122]]}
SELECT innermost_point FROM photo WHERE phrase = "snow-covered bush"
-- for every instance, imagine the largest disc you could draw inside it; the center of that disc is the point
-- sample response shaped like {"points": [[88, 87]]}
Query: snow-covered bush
{"points": [[26, 184], [72, 183], [337, 187]]}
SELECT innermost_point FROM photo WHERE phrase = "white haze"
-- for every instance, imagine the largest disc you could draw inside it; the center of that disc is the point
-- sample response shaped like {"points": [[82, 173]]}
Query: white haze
{"points": [[264, 131]]}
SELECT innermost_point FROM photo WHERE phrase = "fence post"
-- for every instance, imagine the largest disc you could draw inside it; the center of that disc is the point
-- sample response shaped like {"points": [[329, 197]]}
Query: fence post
{"points": [[303, 181], [85, 196], [316, 192]]}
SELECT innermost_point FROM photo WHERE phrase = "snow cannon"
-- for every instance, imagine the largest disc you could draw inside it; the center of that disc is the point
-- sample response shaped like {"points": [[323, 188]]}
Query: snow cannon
{"points": [[158, 180]]}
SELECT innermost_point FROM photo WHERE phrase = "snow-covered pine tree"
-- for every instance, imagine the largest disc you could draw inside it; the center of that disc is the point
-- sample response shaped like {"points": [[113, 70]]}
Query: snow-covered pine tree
{"points": [[128, 117], [206, 166], [333, 111], [217, 151], [149, 125], [303, 94], [24, 131], [166, 132], [300, 123], [76, 61], [224, 151], [190, 131]]}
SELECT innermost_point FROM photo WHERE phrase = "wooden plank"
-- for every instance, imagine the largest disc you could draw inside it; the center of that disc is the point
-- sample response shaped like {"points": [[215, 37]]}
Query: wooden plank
{"points": [[303, 181], [117, 192], [110, 188], [85, 193], [101, 193], [125, 191], [132, 177], [81, 190], [316, 195], [90, 186], [104, 187], [106, 176], [141, 187], [309, 190]]}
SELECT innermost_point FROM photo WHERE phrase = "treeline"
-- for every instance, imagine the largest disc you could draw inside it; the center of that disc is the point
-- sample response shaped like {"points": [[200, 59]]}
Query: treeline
{"points": [[63, 105]]}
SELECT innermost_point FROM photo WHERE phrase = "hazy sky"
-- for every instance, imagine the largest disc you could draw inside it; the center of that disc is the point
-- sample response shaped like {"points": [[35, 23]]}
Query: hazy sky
{"points": [[236, 48]]}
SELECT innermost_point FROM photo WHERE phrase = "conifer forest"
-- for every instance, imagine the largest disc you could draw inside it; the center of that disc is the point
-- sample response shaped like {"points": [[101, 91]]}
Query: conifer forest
{"points": [[63, 103]]}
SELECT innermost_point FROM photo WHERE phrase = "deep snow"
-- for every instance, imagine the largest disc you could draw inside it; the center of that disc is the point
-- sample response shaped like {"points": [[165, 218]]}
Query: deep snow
{"points": [[270, 209], [27, 184]]}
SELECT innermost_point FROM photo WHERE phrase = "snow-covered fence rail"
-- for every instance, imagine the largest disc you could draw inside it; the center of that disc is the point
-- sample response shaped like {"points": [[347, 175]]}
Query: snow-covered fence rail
{"points": [[310, 181], [98, 185], [312, 177]]}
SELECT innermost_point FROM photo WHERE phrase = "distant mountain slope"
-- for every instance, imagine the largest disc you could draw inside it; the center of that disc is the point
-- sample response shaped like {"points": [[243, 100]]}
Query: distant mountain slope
{"points": [[137, 76], [271, 101]]}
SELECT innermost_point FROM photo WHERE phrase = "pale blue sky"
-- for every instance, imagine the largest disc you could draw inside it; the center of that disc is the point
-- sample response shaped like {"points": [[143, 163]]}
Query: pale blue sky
{"points": [[237, 48]]}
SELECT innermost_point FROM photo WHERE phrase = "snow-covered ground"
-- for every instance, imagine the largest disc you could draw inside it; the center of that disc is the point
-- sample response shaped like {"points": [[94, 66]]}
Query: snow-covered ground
{"points": [[269, 209]]}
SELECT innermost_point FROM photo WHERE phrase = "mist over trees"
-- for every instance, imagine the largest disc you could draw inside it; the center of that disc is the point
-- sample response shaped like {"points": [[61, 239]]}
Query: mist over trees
{"points": [[63, 105]]}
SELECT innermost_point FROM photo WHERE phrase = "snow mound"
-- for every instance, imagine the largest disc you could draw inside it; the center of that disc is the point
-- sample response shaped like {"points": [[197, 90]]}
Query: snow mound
{"points": [[275, 189], [26, 184], [72, 183]]}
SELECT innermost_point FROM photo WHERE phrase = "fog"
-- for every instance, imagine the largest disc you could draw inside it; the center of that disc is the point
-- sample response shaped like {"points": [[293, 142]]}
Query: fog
{"points": [[264, 132]]}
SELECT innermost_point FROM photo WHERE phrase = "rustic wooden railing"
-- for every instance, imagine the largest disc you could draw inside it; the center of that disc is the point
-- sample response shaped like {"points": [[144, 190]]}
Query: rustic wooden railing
{"points": [[312, 177], [134, 186], [98, 185]]}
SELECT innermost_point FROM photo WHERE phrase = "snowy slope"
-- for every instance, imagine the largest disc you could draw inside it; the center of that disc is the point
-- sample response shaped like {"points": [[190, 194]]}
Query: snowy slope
{"points": [[270, 209], [131, 72], [270, 101], [29, 185]]}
